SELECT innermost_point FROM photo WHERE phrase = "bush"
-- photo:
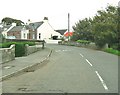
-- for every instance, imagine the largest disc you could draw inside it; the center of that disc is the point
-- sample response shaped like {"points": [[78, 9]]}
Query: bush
{"points": [[113, 51], [19, 47]]}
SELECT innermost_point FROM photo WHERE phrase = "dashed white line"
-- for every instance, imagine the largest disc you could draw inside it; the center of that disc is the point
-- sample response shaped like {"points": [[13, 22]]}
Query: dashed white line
{"points": [[89, 62], [100, 78], [81, 55], [102, 81]]}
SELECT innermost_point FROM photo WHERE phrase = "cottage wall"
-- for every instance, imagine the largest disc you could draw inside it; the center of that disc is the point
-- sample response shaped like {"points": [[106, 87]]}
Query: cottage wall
{"points": [[17, 34], [45, 31]]}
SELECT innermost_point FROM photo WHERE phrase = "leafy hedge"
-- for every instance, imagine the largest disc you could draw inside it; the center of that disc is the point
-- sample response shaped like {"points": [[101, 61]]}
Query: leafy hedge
{"points": [[113, 51], [19, 47], [83, 42]]}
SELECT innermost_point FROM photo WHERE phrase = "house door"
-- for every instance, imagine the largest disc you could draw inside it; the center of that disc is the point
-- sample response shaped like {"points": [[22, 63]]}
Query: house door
{"points": [[28, 36]]}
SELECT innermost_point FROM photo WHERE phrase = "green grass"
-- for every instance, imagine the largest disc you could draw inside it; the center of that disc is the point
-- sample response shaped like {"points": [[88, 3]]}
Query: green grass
{"points": [[112, 51]]}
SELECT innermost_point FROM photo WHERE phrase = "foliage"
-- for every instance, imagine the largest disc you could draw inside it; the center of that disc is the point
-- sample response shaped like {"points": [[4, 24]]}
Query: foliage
{"points": [[102, 29], [113, 51], [104, 26], [9, 21], [19, 47], [83, 30]]}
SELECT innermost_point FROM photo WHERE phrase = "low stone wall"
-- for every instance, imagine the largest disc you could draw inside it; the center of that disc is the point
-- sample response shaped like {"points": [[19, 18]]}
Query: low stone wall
{"points": [[32, 49], [91, 45], [7, 54]]}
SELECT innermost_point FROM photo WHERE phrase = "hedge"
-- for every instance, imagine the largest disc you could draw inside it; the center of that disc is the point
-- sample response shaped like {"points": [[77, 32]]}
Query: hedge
{"points": [[19, 47], [113, 51]]}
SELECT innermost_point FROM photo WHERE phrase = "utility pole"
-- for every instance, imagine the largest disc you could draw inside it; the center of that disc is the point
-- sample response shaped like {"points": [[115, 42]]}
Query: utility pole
{"points": [[68, 27]]}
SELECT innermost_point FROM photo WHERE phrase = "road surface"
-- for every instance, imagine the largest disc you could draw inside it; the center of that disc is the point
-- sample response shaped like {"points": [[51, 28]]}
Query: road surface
{"points": [[69, 70]]}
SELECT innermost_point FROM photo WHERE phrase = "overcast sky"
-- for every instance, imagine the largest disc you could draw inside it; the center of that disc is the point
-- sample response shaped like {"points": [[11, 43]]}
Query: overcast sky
{"points": [[55, 10]]}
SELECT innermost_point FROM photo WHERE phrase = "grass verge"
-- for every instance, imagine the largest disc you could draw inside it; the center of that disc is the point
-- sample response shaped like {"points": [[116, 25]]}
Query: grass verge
{"points": [[112, 51]]}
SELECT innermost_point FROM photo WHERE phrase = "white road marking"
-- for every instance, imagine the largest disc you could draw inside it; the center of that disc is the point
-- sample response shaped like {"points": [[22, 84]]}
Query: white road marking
{"points": [[81, 55], [89, 62], [62, 50], [58, 50], [102, 81]]}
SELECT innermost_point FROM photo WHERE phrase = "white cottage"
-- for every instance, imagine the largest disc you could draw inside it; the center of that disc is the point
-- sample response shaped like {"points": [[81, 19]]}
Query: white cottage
{"points": [[46, 31], [36, 30]]}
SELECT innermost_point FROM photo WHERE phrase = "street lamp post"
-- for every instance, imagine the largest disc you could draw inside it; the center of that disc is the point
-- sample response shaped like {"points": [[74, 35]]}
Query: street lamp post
{"points": [[68, 27]]}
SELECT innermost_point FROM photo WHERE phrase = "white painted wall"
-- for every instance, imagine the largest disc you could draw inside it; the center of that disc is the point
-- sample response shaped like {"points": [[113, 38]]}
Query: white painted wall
{"points": [[46, 31], [24, 33]]}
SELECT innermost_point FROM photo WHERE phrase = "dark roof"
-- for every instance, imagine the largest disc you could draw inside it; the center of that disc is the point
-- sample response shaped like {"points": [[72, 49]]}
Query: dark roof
{"points": [[61, 31], [35, 25], [7, 26], [17, 28]]}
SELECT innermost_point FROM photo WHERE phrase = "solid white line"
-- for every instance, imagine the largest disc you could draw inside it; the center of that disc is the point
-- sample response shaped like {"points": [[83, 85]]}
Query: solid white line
{"points": [[103, 83], [81, 55], [89, 62]]}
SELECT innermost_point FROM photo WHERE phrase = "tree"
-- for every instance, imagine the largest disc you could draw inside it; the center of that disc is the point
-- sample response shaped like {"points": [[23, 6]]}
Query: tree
{"points": [[83, 30], [9, 21], [118, 27], [104, 26]]}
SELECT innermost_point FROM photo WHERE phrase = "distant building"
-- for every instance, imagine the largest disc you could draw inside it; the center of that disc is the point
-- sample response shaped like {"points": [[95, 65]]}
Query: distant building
{"points": [[33, 30]]}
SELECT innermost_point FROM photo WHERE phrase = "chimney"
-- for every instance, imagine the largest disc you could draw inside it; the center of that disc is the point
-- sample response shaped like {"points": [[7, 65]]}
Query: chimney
{"points": [[45, 18], [29, 21]]}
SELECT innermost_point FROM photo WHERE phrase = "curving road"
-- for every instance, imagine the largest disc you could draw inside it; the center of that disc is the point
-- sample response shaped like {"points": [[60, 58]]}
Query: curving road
{"points": [[69, 70]]}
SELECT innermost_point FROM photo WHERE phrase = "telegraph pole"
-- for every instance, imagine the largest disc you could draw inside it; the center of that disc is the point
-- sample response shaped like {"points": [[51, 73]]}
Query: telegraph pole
{"points": [[68, 27]]}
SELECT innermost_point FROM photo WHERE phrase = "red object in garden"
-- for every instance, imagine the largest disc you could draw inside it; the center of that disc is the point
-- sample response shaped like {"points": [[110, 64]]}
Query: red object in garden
{"points": [[68, 34]]}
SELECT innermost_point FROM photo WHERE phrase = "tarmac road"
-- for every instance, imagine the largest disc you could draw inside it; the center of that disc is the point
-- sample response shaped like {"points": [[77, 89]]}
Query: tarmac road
{"points": [[69, 70]]}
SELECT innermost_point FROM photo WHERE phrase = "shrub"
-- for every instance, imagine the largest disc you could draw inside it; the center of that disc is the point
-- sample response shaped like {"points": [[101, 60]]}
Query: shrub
{"points": [[19, 47], [113, 51]]}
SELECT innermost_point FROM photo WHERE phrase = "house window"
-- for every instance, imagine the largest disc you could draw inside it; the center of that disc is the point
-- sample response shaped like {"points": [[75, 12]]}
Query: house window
{"points": [[39, 35], [24, 35]]}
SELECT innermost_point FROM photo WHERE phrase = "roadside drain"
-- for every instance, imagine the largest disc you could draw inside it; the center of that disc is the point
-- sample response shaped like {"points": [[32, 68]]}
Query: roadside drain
{"points": [[24, 89], [29, 70]]}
